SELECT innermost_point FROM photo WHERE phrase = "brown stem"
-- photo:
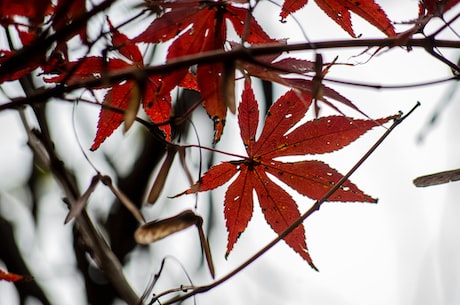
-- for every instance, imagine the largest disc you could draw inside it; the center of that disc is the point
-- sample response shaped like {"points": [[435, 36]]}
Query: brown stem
{"points": [[216, 56]]}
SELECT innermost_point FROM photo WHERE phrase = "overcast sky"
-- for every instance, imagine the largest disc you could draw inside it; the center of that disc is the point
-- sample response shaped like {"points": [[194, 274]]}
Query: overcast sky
{"points": [[402, 251]]}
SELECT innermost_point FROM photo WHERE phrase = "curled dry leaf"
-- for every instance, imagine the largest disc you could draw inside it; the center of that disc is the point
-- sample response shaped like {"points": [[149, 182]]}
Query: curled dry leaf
{"points": [[159, 229], [160, 179]]}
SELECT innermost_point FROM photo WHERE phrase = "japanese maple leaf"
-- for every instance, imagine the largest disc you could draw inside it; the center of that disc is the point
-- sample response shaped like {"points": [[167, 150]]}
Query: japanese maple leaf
{"points": [[339, 11], [199, 27], [279, 138], [155, 96], [12, 277]]}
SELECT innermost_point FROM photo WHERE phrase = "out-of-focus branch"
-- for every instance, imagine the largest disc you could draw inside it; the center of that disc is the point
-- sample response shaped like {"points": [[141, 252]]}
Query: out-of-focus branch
{"points": [[42, 146], [247, 54], [11, 256]]}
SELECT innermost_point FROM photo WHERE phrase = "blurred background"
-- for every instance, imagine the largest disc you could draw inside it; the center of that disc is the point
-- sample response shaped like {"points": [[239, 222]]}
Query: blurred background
{"points": [[403, 250]]}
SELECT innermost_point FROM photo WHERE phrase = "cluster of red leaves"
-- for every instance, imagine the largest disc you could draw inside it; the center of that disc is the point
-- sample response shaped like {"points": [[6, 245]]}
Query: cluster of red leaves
{"points": [[278, 139], [197, 27], [208, 32], [36, 11], [125, 96]]}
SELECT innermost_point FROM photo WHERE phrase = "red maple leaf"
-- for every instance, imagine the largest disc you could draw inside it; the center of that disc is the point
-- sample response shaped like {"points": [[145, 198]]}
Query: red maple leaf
{"points": [[199, 27], [278, 139], [12, 277], [339, 11]]}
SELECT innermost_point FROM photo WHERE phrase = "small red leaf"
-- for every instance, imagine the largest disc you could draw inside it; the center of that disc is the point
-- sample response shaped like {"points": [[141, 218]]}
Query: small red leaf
{"points": [[290, 6], [125, 46], [169, 25], [248, 117], [254, 32], [213, 178], [12, 277], [109, 120]]}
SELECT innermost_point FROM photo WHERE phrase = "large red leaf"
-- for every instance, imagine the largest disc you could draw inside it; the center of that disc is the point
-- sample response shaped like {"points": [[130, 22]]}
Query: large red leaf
{"points": [[283, 136]]}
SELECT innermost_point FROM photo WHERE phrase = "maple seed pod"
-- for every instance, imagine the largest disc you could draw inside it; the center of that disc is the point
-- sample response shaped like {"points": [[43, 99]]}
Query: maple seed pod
{"points": [[437, 178], [133, 106], [159, 229], [228, 85]]}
